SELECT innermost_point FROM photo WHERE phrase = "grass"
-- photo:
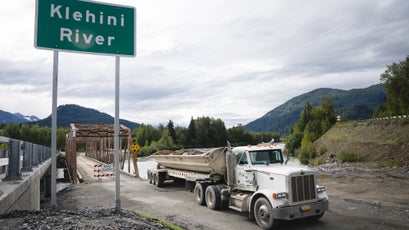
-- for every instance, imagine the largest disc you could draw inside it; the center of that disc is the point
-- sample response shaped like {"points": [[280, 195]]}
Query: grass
{"points": [[389, 164], [345, 156], [163, 222], [317, 161]]}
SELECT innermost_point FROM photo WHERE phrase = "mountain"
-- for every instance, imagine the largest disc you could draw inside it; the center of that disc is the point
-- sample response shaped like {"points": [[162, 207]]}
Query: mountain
{"points": [[354, 104], [6, 117], [67, 114], [30, 118]]}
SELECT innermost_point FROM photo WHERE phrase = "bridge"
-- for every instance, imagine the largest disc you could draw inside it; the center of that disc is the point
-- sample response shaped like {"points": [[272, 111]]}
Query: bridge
{"points": [[24, 174], [25, 168]]}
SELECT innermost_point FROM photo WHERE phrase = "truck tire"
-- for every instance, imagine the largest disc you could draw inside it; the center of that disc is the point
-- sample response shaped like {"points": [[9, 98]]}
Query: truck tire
{"points": [[316, 217], [224, 196], [213, 197], [153, 176], [199, 193], [150, 177], [160, 179], [263, 214]]}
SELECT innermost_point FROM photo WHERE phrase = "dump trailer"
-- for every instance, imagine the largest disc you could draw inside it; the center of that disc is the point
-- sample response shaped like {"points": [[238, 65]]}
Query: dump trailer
{"points": [[252, 179]]}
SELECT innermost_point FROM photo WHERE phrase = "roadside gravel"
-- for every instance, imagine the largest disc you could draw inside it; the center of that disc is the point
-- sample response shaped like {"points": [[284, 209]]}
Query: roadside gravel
{"points": [[76, 219], [367, 191]]}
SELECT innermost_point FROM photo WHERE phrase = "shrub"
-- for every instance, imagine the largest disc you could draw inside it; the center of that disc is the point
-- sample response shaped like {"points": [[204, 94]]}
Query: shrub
{"points": [[308, 148], [345, 156], [322, 150], [317, 161], [302, 156]]}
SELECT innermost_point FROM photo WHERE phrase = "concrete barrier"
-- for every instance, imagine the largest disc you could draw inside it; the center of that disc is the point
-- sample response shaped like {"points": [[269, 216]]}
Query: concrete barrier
{"points": [[23, 194], [23, 165]]}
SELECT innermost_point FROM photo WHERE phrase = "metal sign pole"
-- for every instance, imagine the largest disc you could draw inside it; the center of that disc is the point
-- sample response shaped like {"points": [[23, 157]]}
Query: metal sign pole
{"points": [[54, 134], [116, 137]]}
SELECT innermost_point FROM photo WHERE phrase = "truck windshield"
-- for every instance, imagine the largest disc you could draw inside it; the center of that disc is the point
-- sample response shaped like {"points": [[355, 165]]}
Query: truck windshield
{"points": [[266, 157]]}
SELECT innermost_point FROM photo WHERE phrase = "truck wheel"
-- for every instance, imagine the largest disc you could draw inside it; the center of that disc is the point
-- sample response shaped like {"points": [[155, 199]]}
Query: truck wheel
{"points": [[153, 176], [316, 217], [199, 193], [150, 177], [160, 179], [263, 214], [213, 197]]}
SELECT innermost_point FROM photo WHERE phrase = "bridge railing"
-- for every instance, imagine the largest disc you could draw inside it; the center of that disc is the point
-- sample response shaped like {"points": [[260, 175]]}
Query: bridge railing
{"points": [[18, 156]]}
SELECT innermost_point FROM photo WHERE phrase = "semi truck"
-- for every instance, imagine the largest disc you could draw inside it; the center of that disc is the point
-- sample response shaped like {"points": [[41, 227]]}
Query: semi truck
{"points": [[253, 179]]}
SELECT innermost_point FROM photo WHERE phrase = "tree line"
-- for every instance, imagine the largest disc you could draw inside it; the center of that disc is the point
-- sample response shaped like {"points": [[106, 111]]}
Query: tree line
{"points": [[315, 121], [34, 133], [395, 79], [202, 132]]}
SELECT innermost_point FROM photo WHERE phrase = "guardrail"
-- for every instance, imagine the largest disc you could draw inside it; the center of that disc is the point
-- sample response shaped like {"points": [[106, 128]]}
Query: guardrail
{"points": [[391, 117], [381, 118], [20, 156]]}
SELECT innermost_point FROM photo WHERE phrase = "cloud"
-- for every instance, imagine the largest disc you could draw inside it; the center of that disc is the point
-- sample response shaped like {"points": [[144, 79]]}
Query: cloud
{"points": [[234, 60]]}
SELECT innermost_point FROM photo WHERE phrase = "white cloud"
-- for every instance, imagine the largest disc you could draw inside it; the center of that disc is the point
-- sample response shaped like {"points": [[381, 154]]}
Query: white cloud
{"points": [[233, 60]]}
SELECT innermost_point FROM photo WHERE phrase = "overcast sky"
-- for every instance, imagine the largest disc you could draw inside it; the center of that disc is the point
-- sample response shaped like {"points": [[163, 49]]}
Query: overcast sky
{"points": [[229, 59]]}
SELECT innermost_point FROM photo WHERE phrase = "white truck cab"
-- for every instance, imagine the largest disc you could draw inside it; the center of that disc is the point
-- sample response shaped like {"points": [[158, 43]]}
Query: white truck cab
{"points": [[252, 179], [276, 191]]}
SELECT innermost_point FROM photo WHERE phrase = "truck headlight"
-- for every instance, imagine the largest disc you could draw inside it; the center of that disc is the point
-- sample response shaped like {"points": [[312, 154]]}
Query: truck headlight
{"points": [[320, 189], [281, 195]]}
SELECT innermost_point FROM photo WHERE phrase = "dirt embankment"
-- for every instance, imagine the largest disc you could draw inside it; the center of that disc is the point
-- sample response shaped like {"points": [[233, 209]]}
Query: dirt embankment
{"points": [[376, 186], [381, 142]]}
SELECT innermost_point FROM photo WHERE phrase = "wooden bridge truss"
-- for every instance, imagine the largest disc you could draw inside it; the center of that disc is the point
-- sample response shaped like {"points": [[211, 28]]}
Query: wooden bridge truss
{"points": [[99, 144]]}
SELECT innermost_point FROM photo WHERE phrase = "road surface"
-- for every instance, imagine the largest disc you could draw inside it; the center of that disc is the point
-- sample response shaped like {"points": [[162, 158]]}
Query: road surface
{"points": [[174, 204]]}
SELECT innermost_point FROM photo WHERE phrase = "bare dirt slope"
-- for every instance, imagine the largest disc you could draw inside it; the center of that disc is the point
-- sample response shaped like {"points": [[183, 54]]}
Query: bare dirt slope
{"points": [[378, 185], [381, 142]]}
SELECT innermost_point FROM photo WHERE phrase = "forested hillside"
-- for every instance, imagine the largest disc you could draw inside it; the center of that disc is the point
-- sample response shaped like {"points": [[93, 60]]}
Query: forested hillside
{"points": [[67, 114], [352, 104]]}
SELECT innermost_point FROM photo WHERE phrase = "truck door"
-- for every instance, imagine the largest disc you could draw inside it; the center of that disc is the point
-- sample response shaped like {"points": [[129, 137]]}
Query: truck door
{"points": [[244, 177]]}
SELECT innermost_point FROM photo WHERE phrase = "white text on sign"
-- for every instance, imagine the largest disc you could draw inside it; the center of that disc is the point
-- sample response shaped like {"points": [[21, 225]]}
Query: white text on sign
{"points": [[67, 34]]}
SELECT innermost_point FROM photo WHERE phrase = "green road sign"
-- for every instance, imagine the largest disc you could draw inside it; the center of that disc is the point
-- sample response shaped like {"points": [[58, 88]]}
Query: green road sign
{"points": [[82, 26]]}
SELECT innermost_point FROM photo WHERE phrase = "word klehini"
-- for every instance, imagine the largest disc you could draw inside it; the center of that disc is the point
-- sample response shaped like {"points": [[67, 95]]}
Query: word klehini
{"points": [[76, 36]]}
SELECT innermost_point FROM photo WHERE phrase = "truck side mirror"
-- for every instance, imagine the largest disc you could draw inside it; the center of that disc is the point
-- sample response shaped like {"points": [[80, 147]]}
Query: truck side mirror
{"points": [[288, 156]]}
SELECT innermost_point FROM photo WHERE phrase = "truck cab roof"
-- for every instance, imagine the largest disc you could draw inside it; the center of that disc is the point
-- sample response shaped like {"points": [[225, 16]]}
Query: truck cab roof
{"points": [[262, 146], [262, 154]]}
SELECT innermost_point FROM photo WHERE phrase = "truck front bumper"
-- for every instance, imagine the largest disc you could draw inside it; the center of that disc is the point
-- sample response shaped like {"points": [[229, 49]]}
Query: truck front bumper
{"points": [[301, 211]]}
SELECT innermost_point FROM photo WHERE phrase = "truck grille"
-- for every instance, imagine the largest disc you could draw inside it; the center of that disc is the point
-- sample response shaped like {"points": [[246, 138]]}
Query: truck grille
{"points": [[303, 188]]}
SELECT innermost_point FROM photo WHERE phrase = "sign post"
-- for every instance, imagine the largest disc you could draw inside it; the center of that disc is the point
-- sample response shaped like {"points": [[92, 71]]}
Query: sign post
{"points": [[116, 137], [54, 134], [85, 27]]}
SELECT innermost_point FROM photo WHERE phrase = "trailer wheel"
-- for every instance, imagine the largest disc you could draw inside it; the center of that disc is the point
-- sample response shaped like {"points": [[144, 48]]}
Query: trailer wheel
{"points": [[213, 197], [150, 177], [263, 214], [199, 193], [154, 181]]}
